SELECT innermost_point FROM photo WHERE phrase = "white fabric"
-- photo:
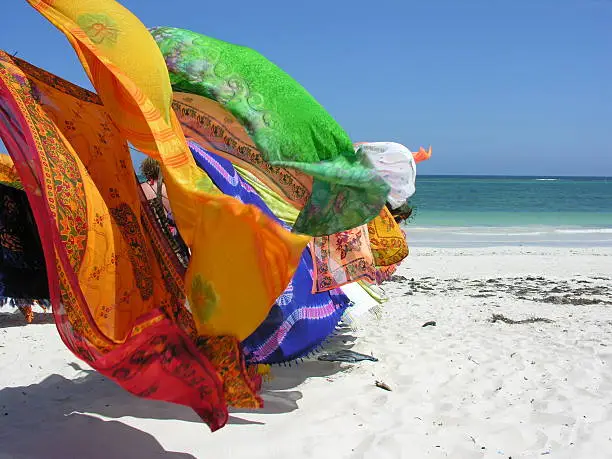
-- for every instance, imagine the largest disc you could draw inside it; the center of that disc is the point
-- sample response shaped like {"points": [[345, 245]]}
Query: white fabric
{"points": [[362, 303], [396, 165]]}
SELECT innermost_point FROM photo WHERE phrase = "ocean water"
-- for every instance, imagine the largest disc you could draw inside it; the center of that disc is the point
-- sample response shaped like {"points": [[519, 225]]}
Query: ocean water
{"points": [[458, 211]]}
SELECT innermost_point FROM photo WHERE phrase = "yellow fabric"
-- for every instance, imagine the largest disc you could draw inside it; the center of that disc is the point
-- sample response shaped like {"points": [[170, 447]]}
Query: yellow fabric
{"points": [[118, 287], [8, 173], [92, 194], [387, 240], [281, 208], [231, 243]]}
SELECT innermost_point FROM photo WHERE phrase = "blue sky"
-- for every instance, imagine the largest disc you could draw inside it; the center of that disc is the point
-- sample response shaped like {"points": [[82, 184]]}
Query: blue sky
{"points": [[496, 86]]}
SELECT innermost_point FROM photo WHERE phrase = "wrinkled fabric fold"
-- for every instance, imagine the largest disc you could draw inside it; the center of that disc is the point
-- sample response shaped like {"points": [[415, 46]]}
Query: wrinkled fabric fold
{"points": [[395, 164], [284, 190], [300, 320], [387, 240], [129, 73], [116, 297], [288, 126]]}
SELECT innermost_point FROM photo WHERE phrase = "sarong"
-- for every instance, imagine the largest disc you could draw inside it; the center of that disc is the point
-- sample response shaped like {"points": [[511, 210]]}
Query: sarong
{"points": [[299, 320], [128, 71], [117, 299]]}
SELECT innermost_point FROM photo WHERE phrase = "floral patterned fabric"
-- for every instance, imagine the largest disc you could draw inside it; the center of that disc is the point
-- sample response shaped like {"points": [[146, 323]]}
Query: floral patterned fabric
{"points": [[216, 129], [387, 240], [128, 71], [117, 299], [339, 258], [342, 258], [299, 320], [288, 126]]}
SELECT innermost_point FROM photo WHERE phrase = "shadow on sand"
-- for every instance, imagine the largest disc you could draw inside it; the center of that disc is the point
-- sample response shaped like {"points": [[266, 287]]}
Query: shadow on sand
{"points": [[56, 418], [16, 319]]}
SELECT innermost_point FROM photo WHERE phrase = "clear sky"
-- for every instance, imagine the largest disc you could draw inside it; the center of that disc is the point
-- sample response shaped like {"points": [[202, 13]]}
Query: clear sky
{"points": [[504, 87]]}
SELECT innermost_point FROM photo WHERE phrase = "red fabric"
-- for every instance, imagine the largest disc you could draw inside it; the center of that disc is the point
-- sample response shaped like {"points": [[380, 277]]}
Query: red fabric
{"points": [[158, 360]]}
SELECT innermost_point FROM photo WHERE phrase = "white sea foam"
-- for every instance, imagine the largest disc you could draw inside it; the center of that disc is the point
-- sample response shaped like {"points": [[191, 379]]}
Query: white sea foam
{"points": [[585, 231], [512, 236]]}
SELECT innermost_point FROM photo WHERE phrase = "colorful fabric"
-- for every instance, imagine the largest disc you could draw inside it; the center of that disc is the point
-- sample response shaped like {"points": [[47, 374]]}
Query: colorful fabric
{"points": [[283, 190], [23, 275], [281, 209], [299, 320], [342, 258], [395, 164], [286, 123], [333, 268], [129, 73], [422, 154], [217, 130], [116, 300], [8, 173], [240, 385], [387, 240]]}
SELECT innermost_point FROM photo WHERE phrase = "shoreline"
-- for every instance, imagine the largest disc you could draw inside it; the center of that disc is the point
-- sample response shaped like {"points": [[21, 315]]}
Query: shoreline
{"points": [[509, 236]]}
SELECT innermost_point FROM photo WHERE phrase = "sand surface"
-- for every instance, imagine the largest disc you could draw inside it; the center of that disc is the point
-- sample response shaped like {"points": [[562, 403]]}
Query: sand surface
{"points": [[467, 387]]}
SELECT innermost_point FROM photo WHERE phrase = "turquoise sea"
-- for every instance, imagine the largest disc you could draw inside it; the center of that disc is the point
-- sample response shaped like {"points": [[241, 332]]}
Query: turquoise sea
{"points": [[487, 211]]}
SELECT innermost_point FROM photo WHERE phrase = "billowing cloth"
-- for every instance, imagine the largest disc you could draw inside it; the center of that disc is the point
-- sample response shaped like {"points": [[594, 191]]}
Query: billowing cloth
{"points": [[217, 130], [284, 211], [422, 154], [128, 71], [395, 164], [286, 123], [299, 320], [284, 190], [342, 258], [387, 240], [116, 296], [23, 276]]}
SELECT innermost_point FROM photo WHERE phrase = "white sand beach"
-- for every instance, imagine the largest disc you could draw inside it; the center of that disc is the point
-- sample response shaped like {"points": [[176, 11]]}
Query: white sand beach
{"points": [[467, 387]]}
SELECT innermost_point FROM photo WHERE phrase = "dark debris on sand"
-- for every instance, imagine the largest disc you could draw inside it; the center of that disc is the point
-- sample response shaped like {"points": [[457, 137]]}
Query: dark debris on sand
{"points": [[578, 292]]}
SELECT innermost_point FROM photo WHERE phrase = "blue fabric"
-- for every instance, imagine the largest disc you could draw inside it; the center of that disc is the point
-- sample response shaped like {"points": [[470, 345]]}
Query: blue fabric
{"points": [[300, 320]]}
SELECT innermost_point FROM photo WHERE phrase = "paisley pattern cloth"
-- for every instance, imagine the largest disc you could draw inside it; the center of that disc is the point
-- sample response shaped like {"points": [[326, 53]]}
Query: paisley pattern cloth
{"points": [[128, 71], [216, 129], [387, 240], [284, 190], [23, 275], [299, 320], [288, 126], [117, 298]]}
